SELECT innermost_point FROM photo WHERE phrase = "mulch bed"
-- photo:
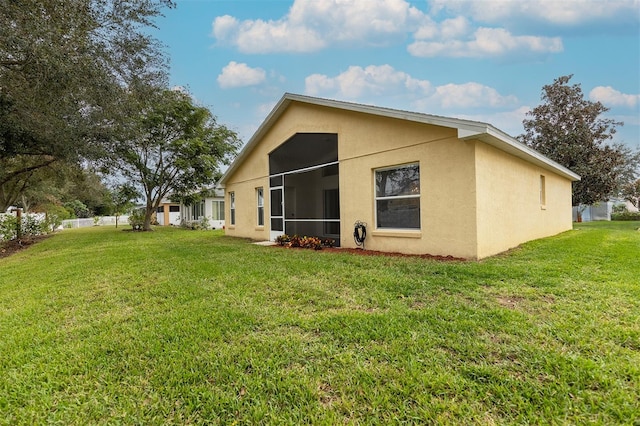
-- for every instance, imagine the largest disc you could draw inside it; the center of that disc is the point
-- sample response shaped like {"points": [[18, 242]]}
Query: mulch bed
{"points": [[361, 252], [8, 248]]}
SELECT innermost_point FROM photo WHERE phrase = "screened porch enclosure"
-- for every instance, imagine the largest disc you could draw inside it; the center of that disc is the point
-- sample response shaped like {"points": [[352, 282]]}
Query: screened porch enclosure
{"points": [[304, 182]]}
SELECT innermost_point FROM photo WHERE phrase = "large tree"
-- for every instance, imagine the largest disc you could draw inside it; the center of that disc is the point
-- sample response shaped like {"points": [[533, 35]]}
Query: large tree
{"points": [[63, 67], [631, 193], [571, 131], [169, 146]]}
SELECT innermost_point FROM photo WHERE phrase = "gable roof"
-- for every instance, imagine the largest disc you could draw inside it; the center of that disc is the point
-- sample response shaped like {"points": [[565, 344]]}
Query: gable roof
{"points": [[467, 130]]}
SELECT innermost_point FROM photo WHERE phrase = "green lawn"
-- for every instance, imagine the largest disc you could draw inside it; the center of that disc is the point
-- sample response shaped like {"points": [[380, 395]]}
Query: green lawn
{"points": [[100, 326]]}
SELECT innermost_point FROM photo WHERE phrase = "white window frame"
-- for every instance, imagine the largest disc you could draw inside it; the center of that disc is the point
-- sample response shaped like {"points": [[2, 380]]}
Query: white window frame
{"points": [[260, 206], [543, 192], [232, 208], [377, 198], [217, 210]]}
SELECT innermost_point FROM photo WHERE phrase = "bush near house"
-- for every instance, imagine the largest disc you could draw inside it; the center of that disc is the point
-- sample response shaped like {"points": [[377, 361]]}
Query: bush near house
{"points": [[294, 241]]}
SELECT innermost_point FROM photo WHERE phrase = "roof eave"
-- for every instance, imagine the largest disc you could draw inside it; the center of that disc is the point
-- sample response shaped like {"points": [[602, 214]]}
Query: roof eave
{"points": [[264, 127], [497, 138], [467, 130]]}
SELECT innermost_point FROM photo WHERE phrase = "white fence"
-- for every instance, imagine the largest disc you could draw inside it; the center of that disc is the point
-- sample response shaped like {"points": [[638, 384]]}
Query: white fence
{"points": [[95, 221]]}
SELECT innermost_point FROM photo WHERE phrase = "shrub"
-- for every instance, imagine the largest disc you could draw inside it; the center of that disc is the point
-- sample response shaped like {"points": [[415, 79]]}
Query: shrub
{"points": [[136, 220], [55, 215], [196, 224], [294, 241], [304, 242], [619, 208], [282, 239], [626, 215], [32, 225], [311, 242], [7, 227]]}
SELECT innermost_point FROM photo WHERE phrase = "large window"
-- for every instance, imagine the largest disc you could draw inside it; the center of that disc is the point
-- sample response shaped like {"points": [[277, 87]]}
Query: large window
{"points": [[232, 207], [260, 205], [397, 197], [217, 210]]}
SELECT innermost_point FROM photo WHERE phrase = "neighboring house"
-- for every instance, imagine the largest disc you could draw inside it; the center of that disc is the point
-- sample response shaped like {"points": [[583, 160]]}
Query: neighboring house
{"points": [[168, 213], [210, 207], [423, 184], [601, 210]]}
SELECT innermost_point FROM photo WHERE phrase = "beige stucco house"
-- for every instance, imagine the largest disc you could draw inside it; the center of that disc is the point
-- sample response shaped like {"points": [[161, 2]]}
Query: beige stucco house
{"points": [[423, 184]]}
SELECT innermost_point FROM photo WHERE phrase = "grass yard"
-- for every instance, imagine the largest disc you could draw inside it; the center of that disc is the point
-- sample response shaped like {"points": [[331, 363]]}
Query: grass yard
{"points": [[101, 326]]}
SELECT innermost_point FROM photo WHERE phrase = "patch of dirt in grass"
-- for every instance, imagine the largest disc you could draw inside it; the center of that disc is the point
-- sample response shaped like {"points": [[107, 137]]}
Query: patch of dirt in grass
{"points": [[511, 302], [8, 248], [327, 395]]}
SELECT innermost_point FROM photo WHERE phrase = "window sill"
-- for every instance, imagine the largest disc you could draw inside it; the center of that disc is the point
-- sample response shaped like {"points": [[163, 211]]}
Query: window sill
{"points": [[231, 227], [259, 228], [543, 207], [397, 233]]}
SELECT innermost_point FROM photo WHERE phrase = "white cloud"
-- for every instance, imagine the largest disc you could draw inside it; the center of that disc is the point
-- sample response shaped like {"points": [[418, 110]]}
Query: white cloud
{"points": [[312, 25], [225, 27], [469, 95], [357, 82], [486, 42], [375, 81], [554, 12], [240, 75], [611, 97]]}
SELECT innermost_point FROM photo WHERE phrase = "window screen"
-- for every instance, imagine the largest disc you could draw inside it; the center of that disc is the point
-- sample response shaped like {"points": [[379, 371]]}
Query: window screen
{"points": [[397, 197]]}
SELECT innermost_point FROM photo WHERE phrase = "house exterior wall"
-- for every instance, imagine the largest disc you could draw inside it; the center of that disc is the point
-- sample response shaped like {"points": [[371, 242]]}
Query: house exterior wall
{"points": [[365, 143], [167, 217], [475, 200], [509, 206], [246, 224], [186, 212], [447, 224], [254, 171]]}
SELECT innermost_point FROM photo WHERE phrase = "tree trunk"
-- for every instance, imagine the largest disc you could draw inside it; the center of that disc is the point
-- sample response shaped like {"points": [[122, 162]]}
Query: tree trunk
{"points": [[147, 219]]}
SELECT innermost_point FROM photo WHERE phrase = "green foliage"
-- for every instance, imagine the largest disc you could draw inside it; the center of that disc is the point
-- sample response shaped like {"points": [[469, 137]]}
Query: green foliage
{"points": [[78, 209], [619, 208], [171, 145], [570, 130], [136, 220], [64, 71], [631, 192], [282, 239], [55, 214], [31, 225], [196, 225], [177, 327], [8, 227], [304, 242], [625, 215]]}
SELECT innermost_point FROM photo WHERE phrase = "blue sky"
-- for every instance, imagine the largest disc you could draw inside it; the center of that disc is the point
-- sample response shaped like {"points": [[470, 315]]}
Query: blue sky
{"points": [[481, 60]]}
